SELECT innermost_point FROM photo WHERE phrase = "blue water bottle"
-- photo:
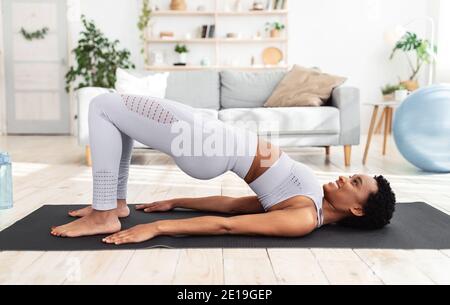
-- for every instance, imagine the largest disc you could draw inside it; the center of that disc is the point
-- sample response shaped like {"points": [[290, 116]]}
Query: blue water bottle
{"points": [[6, 191]]}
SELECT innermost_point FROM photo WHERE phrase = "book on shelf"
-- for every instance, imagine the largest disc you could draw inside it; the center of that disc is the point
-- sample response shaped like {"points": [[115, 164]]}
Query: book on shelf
{"points": [[211, 31], [204, 31], [208, 31], [279, 4]]}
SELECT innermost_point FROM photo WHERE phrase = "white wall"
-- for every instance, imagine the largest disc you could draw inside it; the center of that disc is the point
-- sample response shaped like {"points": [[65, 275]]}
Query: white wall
{"points": [[2, 77], [443, 64], [344, 37]]}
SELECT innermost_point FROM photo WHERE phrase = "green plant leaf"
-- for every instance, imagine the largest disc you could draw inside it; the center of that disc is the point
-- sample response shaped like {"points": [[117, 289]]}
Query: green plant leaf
{"points": [[97, 59]]}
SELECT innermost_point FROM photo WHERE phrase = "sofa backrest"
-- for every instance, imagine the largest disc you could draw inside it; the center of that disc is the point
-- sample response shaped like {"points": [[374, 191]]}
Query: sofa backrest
{"points": [[199, 89], [240, 89]]}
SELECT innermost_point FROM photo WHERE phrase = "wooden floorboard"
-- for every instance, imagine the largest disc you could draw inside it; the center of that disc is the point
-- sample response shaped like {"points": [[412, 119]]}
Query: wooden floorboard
{"points": [[50, 170]]}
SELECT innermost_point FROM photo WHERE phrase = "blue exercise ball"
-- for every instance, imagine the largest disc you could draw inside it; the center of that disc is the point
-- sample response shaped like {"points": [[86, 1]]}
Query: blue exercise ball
{"points": [[422, 129]]}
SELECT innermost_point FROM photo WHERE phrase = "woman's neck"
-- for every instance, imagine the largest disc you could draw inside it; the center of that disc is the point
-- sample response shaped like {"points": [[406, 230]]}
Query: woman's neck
{"points": [[331, 214]]}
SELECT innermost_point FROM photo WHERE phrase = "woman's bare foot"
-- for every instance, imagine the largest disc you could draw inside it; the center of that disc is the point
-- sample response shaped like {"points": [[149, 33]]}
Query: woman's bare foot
{"points": [[122, 210], [93, 224]]}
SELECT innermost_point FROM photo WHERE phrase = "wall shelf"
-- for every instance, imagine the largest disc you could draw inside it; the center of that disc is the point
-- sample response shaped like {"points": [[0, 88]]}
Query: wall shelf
{"points": [[215, 40], [166, 13], [175, 40], [221, 57], [182, 13], [254, 13], [193, 68]]}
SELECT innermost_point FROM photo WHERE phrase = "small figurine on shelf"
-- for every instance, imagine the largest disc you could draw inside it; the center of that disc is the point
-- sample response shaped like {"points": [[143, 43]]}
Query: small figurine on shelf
{"points": [[156, 58], [178, 5], [257, 6], [205, 62]]}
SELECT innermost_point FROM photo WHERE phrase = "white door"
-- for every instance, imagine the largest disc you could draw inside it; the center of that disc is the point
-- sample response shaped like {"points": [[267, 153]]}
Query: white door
{"points": [[36, 102]]}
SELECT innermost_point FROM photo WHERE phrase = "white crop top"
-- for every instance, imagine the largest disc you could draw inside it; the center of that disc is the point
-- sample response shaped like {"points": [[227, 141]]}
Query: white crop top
{"points": [[286, 179]]}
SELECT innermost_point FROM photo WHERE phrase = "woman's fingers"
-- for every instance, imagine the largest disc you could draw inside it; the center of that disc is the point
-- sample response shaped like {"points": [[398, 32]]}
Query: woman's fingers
{"points": [[142, 206], [119, 239], [110, 239]]}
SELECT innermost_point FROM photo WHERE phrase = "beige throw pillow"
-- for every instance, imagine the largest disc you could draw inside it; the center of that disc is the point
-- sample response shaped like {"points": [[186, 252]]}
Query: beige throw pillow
{"points": [[304, 87]]}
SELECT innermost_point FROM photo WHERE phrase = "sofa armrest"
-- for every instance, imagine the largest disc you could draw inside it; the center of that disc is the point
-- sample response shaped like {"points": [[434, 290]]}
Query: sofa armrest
{"points": [[347, 100], [84, 98]]}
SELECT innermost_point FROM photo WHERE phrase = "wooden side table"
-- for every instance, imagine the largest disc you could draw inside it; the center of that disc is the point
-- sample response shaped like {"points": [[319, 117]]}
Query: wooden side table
{"points": [[387, 115]]}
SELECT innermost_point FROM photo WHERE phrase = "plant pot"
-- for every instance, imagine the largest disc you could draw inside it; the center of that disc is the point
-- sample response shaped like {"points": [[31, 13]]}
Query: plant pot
{"points": [[410, 85], [389, 97], [275, 33], [182, 58]]}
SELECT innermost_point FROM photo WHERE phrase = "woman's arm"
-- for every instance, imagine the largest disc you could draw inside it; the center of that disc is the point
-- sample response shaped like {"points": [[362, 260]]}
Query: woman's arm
{"points": [[221, 204], [286, 223]]}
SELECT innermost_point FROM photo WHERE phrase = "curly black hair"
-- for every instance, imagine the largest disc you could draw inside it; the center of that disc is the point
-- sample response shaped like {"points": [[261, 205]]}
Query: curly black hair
{"points": [[378, 209]]}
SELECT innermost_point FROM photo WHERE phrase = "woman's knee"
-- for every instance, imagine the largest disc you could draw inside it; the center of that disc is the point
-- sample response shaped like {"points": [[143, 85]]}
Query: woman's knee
{"points": [[102, 102]]}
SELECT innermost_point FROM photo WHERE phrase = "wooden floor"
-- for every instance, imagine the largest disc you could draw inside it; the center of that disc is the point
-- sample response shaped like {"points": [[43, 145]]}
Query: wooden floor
{"points": [[51, 170]]}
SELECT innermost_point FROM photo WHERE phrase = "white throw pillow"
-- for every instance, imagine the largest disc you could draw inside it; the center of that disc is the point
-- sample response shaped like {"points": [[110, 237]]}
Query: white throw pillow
{"points": [[154, 85]]}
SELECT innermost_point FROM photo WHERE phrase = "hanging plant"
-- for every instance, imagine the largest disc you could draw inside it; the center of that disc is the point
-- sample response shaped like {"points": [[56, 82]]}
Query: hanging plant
{"points": [[143, 23], [39, 34]]}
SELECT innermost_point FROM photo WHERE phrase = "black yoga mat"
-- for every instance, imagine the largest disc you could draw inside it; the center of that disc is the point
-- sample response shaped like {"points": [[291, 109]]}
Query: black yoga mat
{"points": [[414, 226]]}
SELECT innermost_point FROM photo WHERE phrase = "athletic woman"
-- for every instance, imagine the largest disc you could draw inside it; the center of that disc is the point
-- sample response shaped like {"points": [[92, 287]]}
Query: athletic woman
{"points": [[289, 200]]}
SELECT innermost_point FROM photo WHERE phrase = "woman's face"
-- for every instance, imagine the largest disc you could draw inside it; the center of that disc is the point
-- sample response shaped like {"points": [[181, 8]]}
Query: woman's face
{"points": [[350, 194]]}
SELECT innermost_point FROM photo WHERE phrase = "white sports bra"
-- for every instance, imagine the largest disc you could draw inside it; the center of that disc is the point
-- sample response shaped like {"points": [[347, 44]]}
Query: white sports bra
{"points": [[286, 179]]}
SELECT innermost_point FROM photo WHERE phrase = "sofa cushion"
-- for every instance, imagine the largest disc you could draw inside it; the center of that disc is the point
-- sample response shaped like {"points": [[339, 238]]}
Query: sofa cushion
{"points": [[199, 89], [153, 85], [248, 89], [304, 87], [285, 121]]}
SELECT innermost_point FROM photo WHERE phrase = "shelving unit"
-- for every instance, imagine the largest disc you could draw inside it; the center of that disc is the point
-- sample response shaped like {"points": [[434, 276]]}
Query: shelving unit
{"points": [[217, 16], [194, 67], [215, 40]]}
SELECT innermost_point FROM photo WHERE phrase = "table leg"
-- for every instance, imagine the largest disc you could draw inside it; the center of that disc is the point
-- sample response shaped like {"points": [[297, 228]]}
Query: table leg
{"points": [[391, 120], [386, 129], [369, 137], [380, 123]]}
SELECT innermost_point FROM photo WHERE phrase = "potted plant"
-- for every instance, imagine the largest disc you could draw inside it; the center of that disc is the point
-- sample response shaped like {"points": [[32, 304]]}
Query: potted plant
{"points": [[424, 53], [389, 91], [97, 59], [182, 51], [275, 29]]}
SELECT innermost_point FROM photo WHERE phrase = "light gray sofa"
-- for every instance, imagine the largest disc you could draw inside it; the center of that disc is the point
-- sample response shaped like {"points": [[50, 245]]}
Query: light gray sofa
{"points": [[234, 96]]}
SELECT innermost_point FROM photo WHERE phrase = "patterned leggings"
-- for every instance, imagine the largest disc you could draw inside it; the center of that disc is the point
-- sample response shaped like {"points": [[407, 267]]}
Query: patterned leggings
{"points": [[116, 120]]}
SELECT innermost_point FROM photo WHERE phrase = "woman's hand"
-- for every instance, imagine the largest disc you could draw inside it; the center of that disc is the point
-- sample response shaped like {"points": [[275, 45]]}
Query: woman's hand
{"points": [[137, 234], [158, 206]]}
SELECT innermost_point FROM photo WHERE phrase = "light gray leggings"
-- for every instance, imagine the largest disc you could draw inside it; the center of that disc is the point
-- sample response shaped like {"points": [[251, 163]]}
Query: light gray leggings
{"points": [[116, 120]]}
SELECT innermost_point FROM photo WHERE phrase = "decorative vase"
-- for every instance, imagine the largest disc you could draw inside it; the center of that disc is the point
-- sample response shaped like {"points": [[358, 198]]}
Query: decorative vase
{"points": [[238, 6], [410, 85], [178, 5]]}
